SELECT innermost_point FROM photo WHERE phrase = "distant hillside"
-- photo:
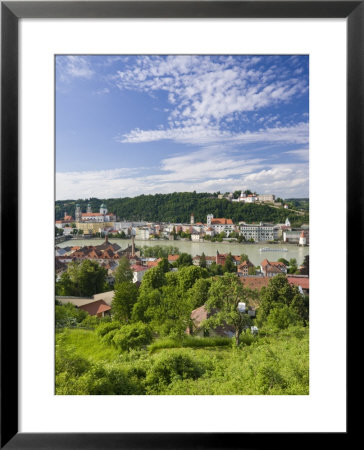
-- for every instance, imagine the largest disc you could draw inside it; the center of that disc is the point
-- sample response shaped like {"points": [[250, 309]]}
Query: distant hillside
{"points": [[177, 207]]}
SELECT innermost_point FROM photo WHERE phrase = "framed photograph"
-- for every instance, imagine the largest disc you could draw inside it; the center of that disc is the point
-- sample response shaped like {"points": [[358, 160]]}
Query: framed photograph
{"points": [[173, 179]]}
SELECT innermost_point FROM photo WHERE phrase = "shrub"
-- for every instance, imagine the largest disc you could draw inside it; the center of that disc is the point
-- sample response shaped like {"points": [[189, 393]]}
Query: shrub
{"points": [[108, 337], [68, 316], [282, 317], [170, 367], [105, 328], [135, 335]]}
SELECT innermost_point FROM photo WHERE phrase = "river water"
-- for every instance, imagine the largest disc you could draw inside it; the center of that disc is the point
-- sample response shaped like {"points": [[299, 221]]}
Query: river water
{"points": [[210, 248]]}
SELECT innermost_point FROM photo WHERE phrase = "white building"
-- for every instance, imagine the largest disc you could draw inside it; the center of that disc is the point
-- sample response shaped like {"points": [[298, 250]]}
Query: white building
{"points": [[251, 198], [266, 198], [220, 225], [89, 216], [302, 241], [259, 233]]}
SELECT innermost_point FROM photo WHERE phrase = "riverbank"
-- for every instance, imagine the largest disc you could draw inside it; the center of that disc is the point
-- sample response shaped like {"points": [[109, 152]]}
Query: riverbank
{"points": [[210, 248]]}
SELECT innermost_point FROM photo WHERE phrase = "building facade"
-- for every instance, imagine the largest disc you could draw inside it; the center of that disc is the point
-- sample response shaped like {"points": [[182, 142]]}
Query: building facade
{"points": [[259, 232]]}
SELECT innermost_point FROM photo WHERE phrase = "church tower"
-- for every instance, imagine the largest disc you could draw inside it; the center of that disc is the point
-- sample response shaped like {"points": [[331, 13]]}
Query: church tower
{"points": [[103, 209], [192, 220], [209, 218], [89, 210]]}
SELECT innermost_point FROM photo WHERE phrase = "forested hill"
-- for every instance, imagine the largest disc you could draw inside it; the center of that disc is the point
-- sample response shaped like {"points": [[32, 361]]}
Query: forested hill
{"points": [[177, 207]]}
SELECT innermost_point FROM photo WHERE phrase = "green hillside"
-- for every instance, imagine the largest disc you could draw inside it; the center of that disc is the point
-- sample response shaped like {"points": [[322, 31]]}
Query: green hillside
{"points": [[177, 207]]}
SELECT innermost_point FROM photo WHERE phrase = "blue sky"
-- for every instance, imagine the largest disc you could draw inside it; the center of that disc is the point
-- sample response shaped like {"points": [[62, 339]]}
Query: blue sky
{"points": [[131, 125]]}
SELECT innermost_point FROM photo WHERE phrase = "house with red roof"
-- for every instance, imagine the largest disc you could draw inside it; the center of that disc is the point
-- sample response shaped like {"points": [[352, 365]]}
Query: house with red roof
{"points": [[98, 308], [243, 268], [301, 281], [220, 225], [272, 268]]}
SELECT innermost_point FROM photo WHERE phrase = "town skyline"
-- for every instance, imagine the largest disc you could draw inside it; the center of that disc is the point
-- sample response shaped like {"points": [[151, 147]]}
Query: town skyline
{"points": [[131, 125]]}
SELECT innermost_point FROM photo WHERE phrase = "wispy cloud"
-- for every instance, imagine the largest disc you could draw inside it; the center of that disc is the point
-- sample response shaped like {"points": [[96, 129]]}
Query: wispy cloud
{"points": [[71, 66], [200, 135], [203, 170], [204, 88]]}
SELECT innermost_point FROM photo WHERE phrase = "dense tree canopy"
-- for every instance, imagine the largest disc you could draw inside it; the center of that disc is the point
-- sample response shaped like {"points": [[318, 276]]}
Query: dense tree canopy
{"points": [[123, 272], [278, 293], [225, 294], [125, 296], [82, 279], [177, 207]]}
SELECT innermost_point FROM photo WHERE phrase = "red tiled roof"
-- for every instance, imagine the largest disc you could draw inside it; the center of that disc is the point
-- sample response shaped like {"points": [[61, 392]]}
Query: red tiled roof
{"points": [[246, 263], [254, 282], [138, 268], [172, 258], [152, 264], [221, 221], [304, 282], [96, 307]]}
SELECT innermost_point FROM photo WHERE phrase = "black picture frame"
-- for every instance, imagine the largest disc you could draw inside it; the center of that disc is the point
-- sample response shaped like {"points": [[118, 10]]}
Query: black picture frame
{"points": [[11, 12]]}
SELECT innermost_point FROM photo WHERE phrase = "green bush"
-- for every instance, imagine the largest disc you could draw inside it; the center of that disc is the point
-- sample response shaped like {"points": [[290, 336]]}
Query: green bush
{"points": [[135, 335], [93, 322], [282, 317], [68, 316], [98, 380], [105, 328], [108, 337], [169, 367]]}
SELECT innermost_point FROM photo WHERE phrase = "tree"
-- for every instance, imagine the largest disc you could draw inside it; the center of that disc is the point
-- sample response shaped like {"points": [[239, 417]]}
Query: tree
{"points": [[244, 257], [125, 296], [69, 316], [284, 261], [225, 294], [198, 294], [184, 260], [216, 269], [292, 266], [229, 265], [59, 231], [164, 265], [305, 269], [82, 279], [278, 293], [123, 272], [135, 335], [282, 317], [187, 277], [203, 260], [153, 279]]}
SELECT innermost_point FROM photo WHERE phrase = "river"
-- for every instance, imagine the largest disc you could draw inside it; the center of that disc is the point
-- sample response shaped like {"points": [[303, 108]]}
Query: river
{"points": [[210, 248]]}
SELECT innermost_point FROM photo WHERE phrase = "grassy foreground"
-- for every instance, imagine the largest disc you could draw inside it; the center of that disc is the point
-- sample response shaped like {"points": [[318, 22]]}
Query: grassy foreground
{"points": [[275, 364]]}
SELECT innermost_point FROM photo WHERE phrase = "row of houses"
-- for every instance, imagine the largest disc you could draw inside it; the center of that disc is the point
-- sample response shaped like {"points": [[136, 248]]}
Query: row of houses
{"points": [[104, 222]]}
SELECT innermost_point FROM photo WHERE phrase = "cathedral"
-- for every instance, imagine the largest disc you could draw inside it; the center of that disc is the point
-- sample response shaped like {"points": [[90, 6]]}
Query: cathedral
{"points": [[89, 216]]}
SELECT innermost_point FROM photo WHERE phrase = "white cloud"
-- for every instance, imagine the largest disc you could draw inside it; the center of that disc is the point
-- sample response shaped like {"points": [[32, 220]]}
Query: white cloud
{"points": [[202, 87], [205, 170], [202, 135], [72, 66]]}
